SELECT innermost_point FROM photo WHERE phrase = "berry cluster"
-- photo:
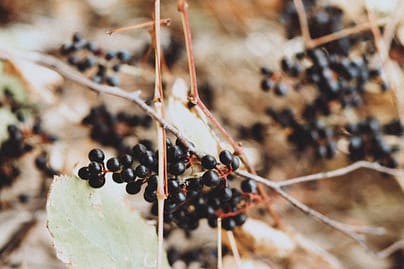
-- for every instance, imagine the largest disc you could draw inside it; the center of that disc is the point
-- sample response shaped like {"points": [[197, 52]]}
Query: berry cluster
{"points": [[341, 81], [20, 140], [197, 188], [102, 66], [110, 129], [322, 21]]}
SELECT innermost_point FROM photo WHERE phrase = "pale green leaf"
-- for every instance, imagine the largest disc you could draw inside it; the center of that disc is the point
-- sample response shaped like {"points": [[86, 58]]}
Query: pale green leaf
{"points": [[95, 229]]}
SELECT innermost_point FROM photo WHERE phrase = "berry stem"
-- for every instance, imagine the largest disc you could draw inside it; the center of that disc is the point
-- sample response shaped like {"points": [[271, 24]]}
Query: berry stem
{"points": [[162, 188], [183, 9], [219, 244], [194, 99], [234, 249], [304, 25], [165, 22]]}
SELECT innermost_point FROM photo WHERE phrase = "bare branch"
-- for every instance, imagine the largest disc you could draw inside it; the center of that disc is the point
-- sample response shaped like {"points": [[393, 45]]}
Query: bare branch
{"points": [[304, 25], [342, 171], [391, 249], [73, 75]]}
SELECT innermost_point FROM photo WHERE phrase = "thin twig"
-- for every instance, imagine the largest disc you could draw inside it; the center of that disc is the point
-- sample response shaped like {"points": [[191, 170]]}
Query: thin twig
{"points": [[161, 135], [352, 231], [391, 249], [383, 54], [165, 22], [342, 171], [304, 25], [195, 99], [219, 244], [16, 239], [345, 32], [234, 248], [73, 75]]}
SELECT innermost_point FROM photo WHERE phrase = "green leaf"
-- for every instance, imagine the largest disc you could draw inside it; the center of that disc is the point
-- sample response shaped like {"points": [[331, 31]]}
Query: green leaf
{"points": [[94, 229]]}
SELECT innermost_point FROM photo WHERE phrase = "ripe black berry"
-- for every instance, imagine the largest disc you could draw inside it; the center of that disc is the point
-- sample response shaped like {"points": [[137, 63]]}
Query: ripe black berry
{"points": [[126, 160], [96, 155], [117, 178], [137, 150], [228, 224], [84, 173], [96, 181], [128, 175], [235, 163], [134, 187], [225, 157], [95, 168], [208, 162], [150, 195], [141, 171], [248, 185], [240, 219], [210, 178], [177, 168], [113, 164]]}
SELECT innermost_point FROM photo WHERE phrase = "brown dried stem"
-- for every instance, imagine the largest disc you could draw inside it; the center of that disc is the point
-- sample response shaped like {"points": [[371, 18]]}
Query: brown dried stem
{"points": [[165, 22], [194, 99], [162, 187]]}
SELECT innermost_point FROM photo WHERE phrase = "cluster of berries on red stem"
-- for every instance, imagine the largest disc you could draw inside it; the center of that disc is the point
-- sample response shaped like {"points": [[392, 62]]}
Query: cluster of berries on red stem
{"points": [[192, 196]]}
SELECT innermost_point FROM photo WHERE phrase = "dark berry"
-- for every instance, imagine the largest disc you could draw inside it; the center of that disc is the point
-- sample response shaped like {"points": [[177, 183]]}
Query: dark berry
{"points": [[266, 84], [126, 160], [124, 56], [225, 157], [96, 155], [173, 185], [240, 219], [235, 163], [84, 173], [248, 185], [174, 154], [117, 178], [208, 162], [128, 175], [179, 197], [110, 55], [112, 81], [134, 187], [228, 224], [152, 182], [113, 164], [141, 171], [225, 194], [280, 89], [137, 150], [210, 178], [95, 167], [148, 159], [177, 168], [150, 195], [212, 221], [96, 181]]}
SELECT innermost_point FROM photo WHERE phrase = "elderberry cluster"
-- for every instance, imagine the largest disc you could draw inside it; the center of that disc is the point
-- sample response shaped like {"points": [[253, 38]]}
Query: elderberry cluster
{"points": [[322, 21], [21, 138], [101, 66], [110, 129], [341, 82], [197, 188]]}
